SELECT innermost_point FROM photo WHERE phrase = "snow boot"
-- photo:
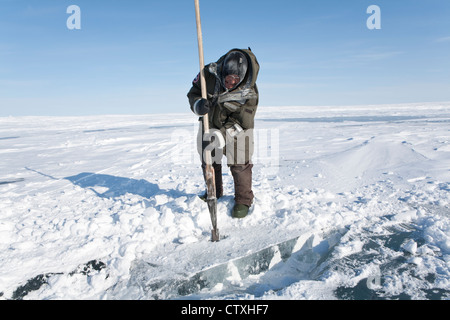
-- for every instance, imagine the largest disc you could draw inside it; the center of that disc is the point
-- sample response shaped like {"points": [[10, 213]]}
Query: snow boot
{"points": [[240, 211]]}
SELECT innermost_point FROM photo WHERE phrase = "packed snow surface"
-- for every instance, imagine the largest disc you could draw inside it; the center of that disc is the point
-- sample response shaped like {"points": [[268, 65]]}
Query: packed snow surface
{"points": [[350, 203]]}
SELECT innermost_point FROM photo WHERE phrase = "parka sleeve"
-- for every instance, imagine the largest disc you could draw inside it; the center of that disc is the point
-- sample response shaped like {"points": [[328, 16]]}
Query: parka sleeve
{"points": [[195, 92]]}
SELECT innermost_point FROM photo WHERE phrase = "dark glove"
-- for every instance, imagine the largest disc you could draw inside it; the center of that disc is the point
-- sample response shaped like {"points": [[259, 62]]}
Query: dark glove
{"points": [[202, 107]]}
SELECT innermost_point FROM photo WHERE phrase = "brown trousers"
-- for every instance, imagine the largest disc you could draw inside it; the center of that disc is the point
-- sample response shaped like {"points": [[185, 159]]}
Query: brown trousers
{"points": [[242, 176], [242, 173]]}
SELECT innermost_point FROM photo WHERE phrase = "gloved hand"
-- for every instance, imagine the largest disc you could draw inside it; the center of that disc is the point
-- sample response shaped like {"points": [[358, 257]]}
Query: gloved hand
{"points": [[202, 107]]}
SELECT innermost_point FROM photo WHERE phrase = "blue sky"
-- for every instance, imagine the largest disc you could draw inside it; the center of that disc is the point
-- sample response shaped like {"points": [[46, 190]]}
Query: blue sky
{"points": [[139, 57]]}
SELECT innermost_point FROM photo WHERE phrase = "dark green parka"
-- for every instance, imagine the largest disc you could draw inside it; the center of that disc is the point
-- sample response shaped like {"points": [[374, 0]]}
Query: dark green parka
{"points": [[230, 107]]}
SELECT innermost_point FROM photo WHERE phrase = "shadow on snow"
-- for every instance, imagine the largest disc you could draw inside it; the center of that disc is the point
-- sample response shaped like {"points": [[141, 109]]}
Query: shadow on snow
{"points": [[107, 186]]}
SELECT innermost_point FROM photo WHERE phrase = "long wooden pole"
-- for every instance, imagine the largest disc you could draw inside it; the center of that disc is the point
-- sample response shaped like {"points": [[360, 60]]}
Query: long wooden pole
{"points": [[209, 171]]}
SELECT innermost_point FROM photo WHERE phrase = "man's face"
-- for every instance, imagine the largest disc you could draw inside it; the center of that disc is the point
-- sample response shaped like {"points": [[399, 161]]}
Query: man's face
{"points": [[231, 81]]}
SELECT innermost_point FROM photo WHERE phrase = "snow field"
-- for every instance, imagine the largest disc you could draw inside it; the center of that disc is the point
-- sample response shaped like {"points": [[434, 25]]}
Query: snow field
{"points": [[123, 190]]}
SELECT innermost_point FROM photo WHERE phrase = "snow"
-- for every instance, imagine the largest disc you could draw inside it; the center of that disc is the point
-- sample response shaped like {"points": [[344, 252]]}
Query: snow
{"points": [[351, 203]]}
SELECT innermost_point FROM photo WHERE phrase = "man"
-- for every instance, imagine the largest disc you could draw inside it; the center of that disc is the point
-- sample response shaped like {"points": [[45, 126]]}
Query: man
{"points": [[231, 105]]}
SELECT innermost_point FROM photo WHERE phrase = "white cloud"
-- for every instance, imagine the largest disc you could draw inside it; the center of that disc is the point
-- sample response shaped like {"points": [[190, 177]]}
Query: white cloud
{"points": [[443, 39], [377, 55]]}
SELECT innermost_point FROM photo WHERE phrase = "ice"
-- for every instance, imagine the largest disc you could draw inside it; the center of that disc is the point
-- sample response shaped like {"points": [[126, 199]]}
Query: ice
{"points": [[350, 203], [410, 246]]}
